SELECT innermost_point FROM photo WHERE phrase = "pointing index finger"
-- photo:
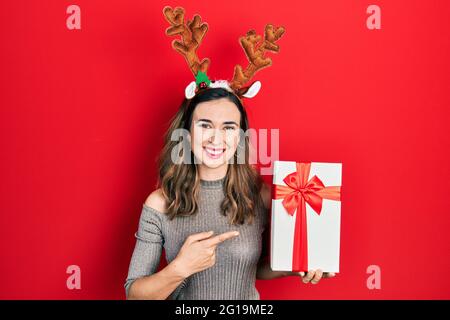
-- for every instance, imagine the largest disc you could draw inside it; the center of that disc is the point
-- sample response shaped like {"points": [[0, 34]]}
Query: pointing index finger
{"points": [[221, 238]]}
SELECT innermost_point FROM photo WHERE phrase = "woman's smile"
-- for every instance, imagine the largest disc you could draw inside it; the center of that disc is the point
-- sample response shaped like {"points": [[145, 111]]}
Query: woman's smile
{"points": [[214, 153]]}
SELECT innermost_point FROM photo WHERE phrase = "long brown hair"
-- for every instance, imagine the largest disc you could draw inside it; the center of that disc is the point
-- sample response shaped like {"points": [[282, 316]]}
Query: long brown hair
{"points": [[180, 182]]}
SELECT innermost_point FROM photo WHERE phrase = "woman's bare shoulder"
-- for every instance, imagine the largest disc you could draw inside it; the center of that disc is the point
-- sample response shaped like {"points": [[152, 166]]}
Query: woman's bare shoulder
{"points": [[156, 201], [266, 194]]}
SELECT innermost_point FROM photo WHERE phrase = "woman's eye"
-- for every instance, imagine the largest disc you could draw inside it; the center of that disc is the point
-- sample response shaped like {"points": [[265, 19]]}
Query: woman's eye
{"points": [[204, 125], [229, 128]]}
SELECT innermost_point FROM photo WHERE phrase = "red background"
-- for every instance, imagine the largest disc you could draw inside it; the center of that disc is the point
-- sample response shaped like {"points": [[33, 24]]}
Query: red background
{"points": [[83, 112]]}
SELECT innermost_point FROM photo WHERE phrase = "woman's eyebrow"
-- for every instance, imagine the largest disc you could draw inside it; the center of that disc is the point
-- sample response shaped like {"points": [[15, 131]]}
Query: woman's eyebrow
{"points": [[230, 122], [205, 120], [224, 123]]}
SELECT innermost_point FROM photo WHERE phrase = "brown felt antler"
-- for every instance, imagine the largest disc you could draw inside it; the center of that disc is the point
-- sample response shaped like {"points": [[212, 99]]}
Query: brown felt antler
{"points": [[255, 54], [192, 34]]}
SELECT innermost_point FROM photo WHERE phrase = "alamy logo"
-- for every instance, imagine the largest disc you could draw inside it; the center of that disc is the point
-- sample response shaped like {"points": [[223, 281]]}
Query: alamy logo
{"points": [[374, 20], [73, 21], [74, 280], [181, 153], [374, 280]]}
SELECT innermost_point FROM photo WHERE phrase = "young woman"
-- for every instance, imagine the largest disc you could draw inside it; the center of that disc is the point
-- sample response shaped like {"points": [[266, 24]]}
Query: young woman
{"points": [[209, 213]]}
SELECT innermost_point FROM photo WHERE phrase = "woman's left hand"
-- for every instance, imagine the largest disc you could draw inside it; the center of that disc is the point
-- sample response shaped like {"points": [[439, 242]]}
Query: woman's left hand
{"points": [[314, 276]]}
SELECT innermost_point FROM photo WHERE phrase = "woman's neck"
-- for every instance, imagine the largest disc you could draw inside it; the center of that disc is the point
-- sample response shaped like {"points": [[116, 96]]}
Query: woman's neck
{"points": [[210, 174]]}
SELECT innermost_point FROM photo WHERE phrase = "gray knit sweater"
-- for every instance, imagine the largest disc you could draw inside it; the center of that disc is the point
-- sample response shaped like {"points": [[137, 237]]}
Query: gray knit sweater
{"points": [[234, 273]]}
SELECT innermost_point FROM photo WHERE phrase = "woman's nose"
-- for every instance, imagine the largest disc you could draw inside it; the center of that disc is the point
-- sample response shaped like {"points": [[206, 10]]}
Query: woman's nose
{"points": [[216, 137]]}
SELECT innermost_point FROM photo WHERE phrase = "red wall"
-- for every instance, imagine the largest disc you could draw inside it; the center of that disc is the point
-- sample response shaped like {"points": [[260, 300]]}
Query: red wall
{"points": [[83, 112]]}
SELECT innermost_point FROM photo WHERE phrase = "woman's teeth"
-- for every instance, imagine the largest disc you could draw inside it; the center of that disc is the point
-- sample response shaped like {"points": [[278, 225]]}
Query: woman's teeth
{"points": [[215, 153]]}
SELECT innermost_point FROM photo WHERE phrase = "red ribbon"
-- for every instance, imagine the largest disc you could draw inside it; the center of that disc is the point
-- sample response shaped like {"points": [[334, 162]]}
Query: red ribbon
{"points": [[297, 192]]}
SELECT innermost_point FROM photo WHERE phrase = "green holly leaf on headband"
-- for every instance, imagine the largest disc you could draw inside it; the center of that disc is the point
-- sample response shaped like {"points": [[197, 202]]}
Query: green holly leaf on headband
{"points": [[202, 77]]}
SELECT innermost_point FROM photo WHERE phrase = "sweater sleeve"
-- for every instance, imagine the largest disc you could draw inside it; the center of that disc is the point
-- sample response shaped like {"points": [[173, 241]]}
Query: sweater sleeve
{"points": [[148, 248], [265, 234]]}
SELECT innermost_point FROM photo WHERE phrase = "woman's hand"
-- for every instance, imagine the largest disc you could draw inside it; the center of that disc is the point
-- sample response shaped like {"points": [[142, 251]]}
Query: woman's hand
{"points": [[199, 252], [314, 276]]}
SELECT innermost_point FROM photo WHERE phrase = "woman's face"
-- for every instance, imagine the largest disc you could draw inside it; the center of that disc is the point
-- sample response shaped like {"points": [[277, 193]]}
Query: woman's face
{"points": [[215, 132]]}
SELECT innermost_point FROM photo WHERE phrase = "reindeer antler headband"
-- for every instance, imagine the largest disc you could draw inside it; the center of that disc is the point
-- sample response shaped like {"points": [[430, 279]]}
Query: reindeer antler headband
{"points": [[192, 34]]}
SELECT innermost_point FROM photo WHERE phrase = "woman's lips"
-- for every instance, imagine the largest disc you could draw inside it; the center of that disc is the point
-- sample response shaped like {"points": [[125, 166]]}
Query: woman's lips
{"points": [[214, 153]]}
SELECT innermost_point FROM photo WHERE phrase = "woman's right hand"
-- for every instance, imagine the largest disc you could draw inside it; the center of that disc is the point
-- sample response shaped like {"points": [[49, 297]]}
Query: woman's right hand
{"points": [[199, 252]]}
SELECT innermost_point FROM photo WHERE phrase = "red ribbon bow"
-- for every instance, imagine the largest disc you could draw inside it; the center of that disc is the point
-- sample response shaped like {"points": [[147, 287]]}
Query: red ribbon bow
{"points": [[297, 192]]}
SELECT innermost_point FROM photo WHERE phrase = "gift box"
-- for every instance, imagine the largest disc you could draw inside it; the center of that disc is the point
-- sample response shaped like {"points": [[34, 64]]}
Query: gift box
{"points": [[306, 216]]}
